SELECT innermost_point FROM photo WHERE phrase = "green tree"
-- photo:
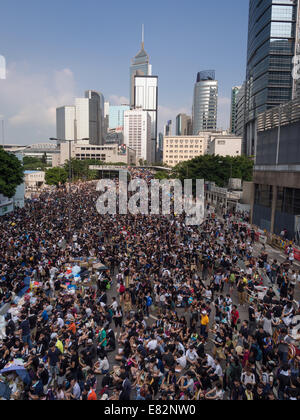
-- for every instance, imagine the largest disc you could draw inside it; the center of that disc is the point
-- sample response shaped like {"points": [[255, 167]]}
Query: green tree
{"points": [[216, 169], [33, 163], [162, 175], [56, 176], [11, 173]]}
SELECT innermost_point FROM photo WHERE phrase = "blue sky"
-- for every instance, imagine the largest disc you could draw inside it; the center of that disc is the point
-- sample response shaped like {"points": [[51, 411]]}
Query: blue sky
{"points": [[55, 50]]}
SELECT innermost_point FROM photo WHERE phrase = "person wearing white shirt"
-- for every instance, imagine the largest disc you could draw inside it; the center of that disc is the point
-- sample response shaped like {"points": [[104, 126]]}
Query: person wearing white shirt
{"points": [[60, 322], [181, 362], [210, 361], [191, 355], [152, 344]]}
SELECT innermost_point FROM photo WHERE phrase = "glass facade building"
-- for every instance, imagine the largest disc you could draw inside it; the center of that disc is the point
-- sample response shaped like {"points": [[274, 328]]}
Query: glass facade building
{"points": [[271, 48], [140, 66], [116, 116], [234, 93], [205, 102], [183, 125]]}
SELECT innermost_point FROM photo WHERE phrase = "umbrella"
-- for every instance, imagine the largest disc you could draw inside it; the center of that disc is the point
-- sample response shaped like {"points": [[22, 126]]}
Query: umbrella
{"points": [[20, 371]]}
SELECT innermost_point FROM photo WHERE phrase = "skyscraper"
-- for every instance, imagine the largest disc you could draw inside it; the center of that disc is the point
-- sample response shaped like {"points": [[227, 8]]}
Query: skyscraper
{"points": [[234, 92], [183, 125], [205, 106], [96, 117], [239, 125], [116, 116], [140, 66], [168, 129], [137, 133], [66, 123], [271, 48], [146, 98]]}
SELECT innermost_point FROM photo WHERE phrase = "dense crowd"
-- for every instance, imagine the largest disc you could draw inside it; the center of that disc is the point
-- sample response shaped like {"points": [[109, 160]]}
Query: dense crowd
{"points": [[161, 317]]}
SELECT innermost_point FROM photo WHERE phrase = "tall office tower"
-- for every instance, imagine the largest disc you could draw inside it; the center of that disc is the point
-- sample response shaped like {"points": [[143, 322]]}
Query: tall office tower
{"points": [[66, 123], [160, 149], [183, 125], [205, 106], [140, 66], [168, 129], [137, 133], [116, 116], [234, 92], [82, 118], [96, 117], [146, 98], [161, 141], [240, 116], [271, 48]]}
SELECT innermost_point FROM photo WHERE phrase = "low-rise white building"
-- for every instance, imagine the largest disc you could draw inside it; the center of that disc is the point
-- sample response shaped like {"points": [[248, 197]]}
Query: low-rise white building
{"points": [[34, 180], [84, 151], [225, 145]]}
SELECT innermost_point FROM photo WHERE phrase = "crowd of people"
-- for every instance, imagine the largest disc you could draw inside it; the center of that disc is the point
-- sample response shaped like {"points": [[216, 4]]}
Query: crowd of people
{"points": [[178, 312]]}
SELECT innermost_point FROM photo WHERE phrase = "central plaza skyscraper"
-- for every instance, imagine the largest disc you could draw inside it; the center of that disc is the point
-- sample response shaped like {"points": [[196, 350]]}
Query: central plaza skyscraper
{"points": [[144, 93], [140, 66]]}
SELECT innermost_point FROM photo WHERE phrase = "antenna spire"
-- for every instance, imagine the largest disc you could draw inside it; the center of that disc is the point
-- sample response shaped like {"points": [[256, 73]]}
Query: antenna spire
{"points": [[143, 36]]}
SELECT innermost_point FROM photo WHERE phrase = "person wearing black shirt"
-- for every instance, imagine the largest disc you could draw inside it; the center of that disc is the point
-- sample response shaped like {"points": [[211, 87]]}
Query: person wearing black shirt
{"points": [[168, 359], [260, 335], [258, 394], [237, 391], [43, 374], [284, 380], [10, 326]]}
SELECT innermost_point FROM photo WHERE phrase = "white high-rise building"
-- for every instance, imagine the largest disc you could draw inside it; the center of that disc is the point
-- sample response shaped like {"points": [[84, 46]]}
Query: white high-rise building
{"points": [[66, 123], [137, 133], [82, 118], [146, 98], [205, 104]]}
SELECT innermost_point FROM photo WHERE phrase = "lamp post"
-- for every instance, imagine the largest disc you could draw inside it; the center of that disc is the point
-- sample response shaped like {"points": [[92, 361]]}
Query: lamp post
{"points": [[70, 173]]}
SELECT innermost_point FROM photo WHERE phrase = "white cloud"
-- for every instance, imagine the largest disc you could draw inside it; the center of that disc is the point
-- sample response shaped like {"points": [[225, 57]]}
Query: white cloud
{"points": [[29, 102], [118, 100]]}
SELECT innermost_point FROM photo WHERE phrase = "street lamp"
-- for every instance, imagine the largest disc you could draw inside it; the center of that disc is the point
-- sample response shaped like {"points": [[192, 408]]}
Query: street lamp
{"points": [[70, 171]]}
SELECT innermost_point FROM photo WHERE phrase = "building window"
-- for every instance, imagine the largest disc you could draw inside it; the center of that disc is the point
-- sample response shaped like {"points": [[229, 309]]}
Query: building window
{"points": [[263, 195], [288, 201]]}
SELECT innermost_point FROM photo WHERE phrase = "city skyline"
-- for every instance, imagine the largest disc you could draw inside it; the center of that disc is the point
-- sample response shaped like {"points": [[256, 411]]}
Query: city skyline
{"points": [[43, 73]]}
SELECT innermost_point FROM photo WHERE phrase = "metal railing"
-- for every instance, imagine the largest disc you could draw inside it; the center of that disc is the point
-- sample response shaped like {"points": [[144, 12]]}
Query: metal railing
{"points": [[286, 114]]}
